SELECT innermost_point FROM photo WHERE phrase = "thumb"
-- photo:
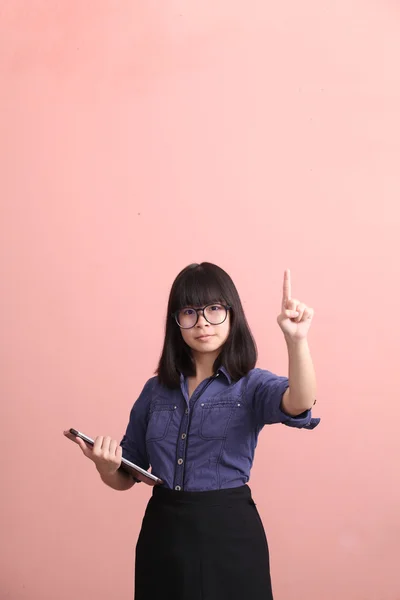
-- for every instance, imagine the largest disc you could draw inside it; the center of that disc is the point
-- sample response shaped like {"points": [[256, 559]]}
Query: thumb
{"points": [[83, 446]]}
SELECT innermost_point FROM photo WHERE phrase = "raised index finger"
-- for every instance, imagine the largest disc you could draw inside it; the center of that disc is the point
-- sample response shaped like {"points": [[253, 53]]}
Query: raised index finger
{"points": [[287, 288]]}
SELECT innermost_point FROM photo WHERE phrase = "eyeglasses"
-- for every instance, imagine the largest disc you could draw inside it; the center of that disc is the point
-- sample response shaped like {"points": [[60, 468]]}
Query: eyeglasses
{"points": [[215, 314]]}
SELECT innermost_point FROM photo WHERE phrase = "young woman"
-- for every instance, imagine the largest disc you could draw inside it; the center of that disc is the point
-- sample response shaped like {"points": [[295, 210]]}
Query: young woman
{"points": [[197, 425]]}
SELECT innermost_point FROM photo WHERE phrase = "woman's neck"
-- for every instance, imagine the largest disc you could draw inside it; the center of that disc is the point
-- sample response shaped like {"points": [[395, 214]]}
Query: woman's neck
{"points": [[204, 365]]}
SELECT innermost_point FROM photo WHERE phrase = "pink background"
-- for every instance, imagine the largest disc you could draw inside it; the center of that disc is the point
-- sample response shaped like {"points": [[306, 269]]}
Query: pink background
{"points": [[137, 137]]}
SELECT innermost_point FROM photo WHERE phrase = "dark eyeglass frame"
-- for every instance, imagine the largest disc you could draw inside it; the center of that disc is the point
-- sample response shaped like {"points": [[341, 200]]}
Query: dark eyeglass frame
{"points": [[226, 306]]}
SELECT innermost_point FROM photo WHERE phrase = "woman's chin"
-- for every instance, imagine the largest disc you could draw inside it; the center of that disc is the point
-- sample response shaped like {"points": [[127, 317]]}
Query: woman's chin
{"points": [[209, 348]]}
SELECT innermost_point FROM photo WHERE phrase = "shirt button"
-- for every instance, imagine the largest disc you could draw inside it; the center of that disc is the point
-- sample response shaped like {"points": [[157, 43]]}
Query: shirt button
{"points": [[183, 436], [178, 488], [187, 411], [180, 461]]}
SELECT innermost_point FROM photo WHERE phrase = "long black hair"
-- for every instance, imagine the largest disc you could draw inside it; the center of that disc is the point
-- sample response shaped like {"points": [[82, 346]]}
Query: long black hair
{"points": [[198, 285]]}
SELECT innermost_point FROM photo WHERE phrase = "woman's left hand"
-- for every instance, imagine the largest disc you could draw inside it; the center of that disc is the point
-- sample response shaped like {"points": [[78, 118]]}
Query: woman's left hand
{"points": [[295, 317]]}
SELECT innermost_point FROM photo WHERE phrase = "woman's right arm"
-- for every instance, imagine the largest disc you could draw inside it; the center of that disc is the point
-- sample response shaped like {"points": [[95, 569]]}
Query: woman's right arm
{"points": [[106, 455]]}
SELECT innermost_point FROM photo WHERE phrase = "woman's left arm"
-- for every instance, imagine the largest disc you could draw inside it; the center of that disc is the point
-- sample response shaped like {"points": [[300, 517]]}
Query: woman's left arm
{"points": [[295, 321]]}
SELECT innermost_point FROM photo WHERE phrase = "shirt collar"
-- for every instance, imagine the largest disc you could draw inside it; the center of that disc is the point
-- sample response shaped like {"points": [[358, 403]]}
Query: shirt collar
{"points": [[220, 370], [225, 372]]}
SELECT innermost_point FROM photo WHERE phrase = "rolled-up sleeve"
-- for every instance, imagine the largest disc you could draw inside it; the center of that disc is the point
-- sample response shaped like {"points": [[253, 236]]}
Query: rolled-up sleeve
{"points": [[265, 391], [134, 441]]}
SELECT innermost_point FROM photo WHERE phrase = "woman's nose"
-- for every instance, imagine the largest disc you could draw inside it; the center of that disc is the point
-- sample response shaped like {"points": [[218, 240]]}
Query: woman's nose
{"points": [[201, 320]]}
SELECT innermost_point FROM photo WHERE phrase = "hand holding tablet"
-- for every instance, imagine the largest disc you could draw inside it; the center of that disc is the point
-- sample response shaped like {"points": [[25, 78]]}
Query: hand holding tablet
{"points": [[107, 455]]}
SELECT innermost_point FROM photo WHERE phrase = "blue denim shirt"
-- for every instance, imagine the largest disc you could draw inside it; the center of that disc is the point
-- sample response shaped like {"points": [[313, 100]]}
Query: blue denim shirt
{"points": [[207, 442]]}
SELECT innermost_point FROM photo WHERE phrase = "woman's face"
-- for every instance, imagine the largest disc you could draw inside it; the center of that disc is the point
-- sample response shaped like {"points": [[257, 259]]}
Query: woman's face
{"points": [[206, 337]]}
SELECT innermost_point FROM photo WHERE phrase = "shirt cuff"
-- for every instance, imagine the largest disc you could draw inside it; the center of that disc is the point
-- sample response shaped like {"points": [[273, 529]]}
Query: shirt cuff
{"points": [[302, 421]]}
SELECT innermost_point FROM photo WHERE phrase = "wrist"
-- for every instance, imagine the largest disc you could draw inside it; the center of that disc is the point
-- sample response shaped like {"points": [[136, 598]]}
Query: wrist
{"points": [[105, 473], [296, 343]]}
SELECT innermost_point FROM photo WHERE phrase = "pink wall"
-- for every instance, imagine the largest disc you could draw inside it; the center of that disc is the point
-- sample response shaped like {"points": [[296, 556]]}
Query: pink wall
{"points": [[137, 137]]}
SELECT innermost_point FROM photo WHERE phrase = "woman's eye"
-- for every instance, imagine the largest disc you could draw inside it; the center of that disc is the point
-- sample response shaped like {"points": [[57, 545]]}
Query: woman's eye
{"points": [[188, 312], [215, 307]]}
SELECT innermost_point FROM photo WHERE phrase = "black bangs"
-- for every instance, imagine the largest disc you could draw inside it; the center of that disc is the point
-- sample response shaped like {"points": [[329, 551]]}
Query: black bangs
{"points": [[198, 285]]}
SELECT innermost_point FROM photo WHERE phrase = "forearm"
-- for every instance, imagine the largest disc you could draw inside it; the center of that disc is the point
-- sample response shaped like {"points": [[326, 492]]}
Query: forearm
{"points": [[120, 480], [302, 380]]}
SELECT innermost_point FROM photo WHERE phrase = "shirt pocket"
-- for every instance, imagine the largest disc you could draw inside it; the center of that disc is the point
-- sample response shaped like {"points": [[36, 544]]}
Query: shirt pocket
{"points": [[160, 416], [216, 416]]}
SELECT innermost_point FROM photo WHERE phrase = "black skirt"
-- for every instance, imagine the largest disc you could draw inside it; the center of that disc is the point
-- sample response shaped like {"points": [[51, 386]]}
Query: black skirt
{"points": [[202, 546]]}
